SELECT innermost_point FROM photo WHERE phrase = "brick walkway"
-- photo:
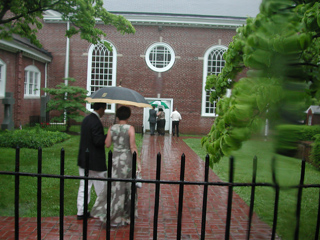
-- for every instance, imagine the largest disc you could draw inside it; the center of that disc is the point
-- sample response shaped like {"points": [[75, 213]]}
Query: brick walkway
{"points": [[171, 149]]}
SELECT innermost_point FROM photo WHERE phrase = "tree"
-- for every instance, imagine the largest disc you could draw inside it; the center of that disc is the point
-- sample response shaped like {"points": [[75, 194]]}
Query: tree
{"points": [[280, 49], [24, 18], [68, 100]]}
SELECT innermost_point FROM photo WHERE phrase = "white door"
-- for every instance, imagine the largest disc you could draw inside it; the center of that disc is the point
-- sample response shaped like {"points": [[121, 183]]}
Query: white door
{"points": [[146, 124]]}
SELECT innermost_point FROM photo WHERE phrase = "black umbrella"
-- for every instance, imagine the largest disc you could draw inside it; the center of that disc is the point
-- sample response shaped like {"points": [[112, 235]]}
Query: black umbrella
{"points": [[119, 95]]}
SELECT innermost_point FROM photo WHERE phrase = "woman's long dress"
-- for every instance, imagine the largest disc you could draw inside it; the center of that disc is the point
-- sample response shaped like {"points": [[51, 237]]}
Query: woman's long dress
{"points": [[120, 191]]}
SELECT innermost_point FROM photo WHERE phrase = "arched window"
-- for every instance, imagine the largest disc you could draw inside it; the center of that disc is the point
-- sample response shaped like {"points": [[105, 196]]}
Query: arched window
{"points": [[32, 82], [160, 57], [102, 66], [213, 64], [3, 79]]}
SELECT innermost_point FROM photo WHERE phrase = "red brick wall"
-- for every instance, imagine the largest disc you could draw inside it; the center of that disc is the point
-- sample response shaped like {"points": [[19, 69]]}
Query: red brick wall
{"points": [[182, 83], [23, 108]]}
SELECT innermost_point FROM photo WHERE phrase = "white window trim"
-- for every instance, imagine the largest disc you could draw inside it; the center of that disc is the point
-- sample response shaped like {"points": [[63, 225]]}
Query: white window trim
{"points": [[166, 68], [3, 79], [114, 75], [204, 79], [32, 68]]}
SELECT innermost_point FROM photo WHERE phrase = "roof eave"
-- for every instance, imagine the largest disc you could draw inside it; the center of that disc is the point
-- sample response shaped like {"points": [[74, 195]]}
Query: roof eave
{"points": [[16, 46], [173, 20]]}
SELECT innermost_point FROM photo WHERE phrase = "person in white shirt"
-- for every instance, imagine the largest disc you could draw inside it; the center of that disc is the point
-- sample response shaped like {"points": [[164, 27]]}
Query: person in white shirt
{"points": [[176, 117]]}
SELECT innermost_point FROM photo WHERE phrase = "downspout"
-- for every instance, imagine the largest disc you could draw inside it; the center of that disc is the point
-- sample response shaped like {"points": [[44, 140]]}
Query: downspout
{"points": [[46, 77], [66, 68]]}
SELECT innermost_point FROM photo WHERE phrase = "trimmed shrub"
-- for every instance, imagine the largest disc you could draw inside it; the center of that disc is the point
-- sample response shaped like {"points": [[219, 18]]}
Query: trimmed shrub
{"points": [[288, 136], [31, 138], [315, 151]]}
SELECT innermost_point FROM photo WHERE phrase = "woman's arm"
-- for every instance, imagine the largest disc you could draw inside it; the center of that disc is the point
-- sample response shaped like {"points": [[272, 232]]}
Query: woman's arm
{"points": [[133, 146], [108, 139]]}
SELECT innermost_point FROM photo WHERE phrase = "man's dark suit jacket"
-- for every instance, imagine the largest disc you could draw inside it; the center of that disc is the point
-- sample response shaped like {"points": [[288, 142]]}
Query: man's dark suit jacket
{"points": [[152, 116], [93, 139]]}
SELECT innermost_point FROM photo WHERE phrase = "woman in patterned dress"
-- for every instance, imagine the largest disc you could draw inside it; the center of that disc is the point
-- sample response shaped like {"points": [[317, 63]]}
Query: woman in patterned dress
{"points": [[122, 135]]}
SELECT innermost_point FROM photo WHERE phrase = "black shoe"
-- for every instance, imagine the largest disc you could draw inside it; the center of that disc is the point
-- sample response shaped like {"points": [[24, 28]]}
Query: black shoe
{"points": [[81, 217]]}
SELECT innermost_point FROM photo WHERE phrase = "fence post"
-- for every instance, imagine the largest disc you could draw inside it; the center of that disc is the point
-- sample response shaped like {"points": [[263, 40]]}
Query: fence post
{"points": [[39, 193], [253, 188], [61, 193], [16, 194], [276, 202], [181, 190], [205, 198], [157, 198], [109, 195], [230, 194], [298, 211], [85, 200], [316, 237], [133, 195]]}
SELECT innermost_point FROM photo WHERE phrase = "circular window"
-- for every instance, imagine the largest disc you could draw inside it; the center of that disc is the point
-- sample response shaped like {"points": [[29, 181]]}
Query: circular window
{"points": [[160, 57]]}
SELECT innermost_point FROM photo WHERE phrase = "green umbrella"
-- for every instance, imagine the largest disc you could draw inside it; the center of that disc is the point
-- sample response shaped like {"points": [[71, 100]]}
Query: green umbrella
{"points": [[159, 103]]}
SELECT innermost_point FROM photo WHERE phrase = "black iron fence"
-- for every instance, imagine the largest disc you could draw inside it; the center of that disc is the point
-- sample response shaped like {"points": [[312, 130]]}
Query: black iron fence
{"points": [[158, 182]]}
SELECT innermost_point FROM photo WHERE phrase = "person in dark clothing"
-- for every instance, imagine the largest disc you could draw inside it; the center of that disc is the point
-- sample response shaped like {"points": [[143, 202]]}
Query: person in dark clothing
{"points": [[161, 122], [92, 139], [152, 120]]}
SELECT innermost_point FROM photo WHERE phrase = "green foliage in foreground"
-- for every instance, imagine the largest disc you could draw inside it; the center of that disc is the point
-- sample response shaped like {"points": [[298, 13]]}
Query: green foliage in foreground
{"points": [[24, 18], [287, 174], [31, 138], [280, 47], [50, 186]]}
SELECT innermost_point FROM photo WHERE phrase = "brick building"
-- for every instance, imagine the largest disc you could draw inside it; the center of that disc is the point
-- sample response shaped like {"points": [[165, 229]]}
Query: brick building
{"points": [[176, 45], [313, 115]]}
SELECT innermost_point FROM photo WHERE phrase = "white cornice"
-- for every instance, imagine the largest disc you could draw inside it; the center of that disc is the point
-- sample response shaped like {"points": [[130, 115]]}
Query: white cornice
{"points": [[185, 21], [171, 20]]}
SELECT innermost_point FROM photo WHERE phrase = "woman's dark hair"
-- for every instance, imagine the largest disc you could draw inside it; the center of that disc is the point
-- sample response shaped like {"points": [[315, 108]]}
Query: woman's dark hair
{"points": [[123, 113], [160, 110]]}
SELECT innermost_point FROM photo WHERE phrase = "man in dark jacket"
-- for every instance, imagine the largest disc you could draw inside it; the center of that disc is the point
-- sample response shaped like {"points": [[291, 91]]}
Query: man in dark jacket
{"points": [[152, 120], [92, 139]]}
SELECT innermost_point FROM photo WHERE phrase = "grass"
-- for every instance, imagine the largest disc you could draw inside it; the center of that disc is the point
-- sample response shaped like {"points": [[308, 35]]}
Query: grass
{"points": [[50, 186], [287, 174]]}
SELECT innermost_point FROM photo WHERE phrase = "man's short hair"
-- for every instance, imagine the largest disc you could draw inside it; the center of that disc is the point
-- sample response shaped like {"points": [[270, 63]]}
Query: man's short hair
{"points": [[97, 106], [123, 113]]}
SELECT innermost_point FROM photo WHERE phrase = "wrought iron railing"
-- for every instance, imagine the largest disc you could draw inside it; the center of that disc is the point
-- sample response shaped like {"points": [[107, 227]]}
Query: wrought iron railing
{"points": [[158, 182]]}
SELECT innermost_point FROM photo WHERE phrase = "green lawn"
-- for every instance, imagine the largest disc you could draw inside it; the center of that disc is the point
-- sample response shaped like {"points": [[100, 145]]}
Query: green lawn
{"points": [[288, 174], [50, 186]]}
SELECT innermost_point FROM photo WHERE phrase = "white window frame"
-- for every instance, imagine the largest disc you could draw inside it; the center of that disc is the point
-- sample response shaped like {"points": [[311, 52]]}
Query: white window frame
{"points": [[100, 65], [3, 79], [205, 94], [167, 63], [32, 79]]}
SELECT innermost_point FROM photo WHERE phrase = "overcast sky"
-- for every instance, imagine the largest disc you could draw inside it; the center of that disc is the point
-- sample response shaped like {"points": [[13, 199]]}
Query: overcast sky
{"points": [[230, 8]]}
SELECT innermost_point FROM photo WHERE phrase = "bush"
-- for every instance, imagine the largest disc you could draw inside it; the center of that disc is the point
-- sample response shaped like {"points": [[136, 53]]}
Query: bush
{"points": [[315, 151], [288, 136], [31, 138]]}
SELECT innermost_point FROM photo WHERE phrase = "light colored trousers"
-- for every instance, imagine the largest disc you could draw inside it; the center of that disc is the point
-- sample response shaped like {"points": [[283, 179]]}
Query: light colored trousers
{"points": [[98, 187]]}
